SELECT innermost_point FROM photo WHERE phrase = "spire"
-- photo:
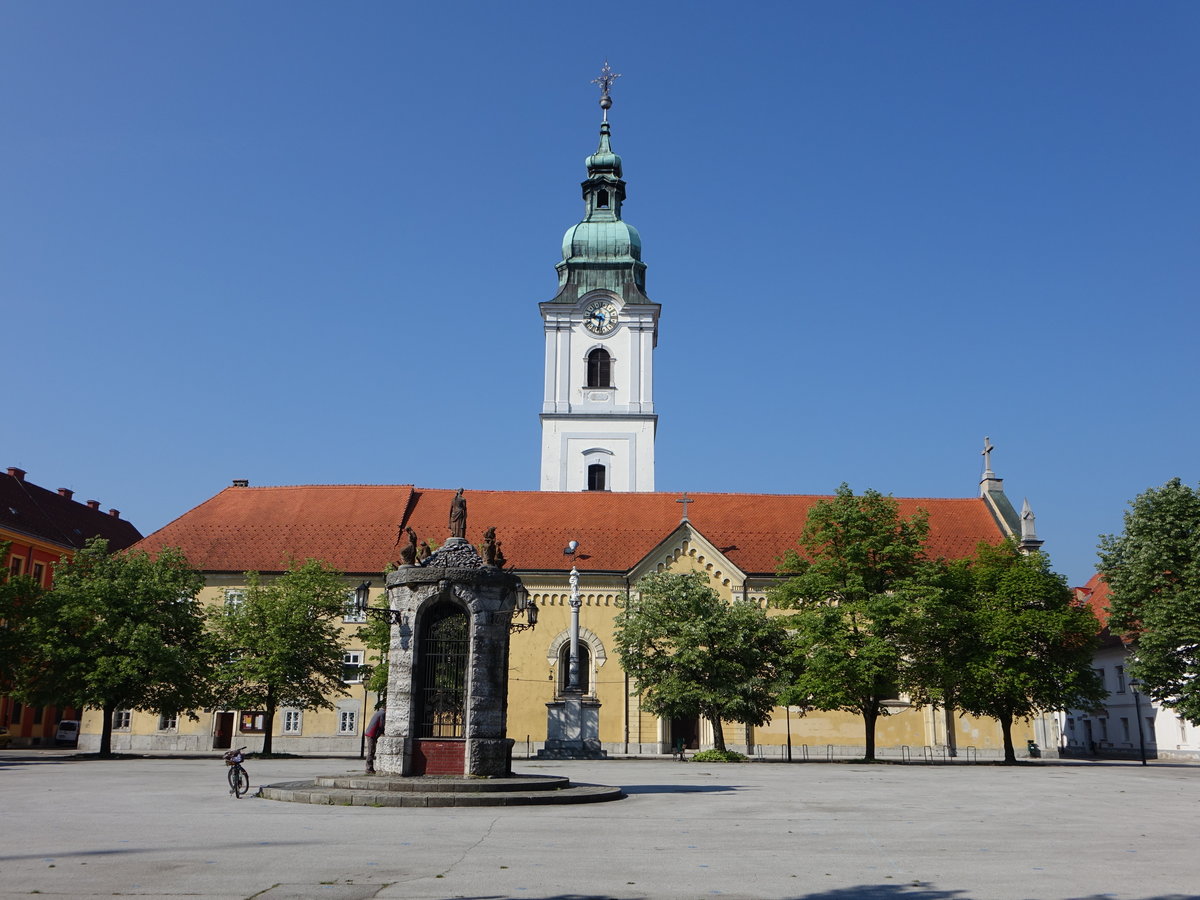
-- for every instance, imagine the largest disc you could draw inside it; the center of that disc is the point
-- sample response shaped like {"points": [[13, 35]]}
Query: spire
{"points": [[1029, 539], [602, 252]]}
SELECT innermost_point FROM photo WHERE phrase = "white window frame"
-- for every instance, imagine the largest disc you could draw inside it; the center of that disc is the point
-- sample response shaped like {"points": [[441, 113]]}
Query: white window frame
{"points": [[347, 721], [352, 658], [293, 721], [122, 719], [168, 723], [234, 598]]}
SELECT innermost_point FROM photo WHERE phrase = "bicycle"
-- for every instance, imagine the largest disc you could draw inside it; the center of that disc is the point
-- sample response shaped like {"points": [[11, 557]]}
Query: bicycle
{"points": [[239, 781]]}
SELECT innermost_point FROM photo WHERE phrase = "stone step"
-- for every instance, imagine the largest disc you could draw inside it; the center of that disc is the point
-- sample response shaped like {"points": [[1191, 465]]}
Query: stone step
{"points": [[313, 792], [433, 784]]}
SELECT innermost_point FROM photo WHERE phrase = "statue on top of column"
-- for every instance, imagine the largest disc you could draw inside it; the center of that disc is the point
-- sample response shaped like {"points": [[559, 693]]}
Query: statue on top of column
{"points": [[458, 515]]}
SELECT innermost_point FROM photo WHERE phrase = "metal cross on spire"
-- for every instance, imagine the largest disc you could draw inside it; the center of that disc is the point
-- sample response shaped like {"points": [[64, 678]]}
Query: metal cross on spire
{"points": [[606, 79]]}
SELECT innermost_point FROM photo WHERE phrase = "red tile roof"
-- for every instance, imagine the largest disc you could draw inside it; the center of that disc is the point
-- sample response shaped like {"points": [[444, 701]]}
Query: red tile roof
{"points": [[27, 509], [355, 527]]}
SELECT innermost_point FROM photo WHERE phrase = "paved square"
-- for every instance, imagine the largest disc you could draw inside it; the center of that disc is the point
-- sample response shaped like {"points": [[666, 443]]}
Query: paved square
{"points": [[168, 827]]}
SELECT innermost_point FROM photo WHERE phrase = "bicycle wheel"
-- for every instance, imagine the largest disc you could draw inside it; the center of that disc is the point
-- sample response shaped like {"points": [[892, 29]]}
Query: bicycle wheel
{"points": [[243, 782]]}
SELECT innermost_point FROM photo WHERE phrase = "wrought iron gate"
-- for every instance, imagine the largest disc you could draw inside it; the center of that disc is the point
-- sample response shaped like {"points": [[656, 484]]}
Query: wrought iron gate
{"points": [[445, 650]]}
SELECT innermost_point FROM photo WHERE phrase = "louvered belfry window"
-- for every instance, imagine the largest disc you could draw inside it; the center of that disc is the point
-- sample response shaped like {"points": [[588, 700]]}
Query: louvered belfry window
{"points": [[445, 650]]}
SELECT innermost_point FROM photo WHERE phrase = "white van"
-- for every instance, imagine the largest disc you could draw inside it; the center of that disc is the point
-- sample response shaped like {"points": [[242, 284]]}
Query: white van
{"points": [[68, 732]]}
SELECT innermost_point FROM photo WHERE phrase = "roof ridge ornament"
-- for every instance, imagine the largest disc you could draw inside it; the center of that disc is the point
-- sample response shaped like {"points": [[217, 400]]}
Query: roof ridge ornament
{"points": [[606, 79]]}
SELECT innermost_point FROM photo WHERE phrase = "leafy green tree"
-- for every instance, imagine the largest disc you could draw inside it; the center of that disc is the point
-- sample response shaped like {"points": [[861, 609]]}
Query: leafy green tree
{"points": [[19, 595], [856, 554], [1153, 573], [692, 654], [119, 631], [376, 636], [934, 631], [1030, 644], [281, 644]]}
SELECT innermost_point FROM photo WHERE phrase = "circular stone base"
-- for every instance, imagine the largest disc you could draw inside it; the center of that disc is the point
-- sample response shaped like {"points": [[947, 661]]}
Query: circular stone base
{"points": [[438, 791]]}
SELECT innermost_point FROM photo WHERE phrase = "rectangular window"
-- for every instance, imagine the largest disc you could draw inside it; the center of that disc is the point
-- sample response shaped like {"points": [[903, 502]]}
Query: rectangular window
{"points": [[16, 713], [1120, 679], [167, 723], [1124, 728], [38, 713], [122, 719], [292, 721], [1100, 674], [39, 574], [348, 721], [353, 613], [16, 565], [352, 661], [234, 599], [1103, 729], [1150, 729]]}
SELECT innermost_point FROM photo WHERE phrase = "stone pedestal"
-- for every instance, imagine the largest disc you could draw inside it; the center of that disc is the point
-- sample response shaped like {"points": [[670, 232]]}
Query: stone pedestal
{"points": [[572, 728], [457, 575]]}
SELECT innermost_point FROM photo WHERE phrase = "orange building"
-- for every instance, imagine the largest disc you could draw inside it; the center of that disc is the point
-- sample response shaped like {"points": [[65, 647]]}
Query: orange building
{"points": [[41, 527]]}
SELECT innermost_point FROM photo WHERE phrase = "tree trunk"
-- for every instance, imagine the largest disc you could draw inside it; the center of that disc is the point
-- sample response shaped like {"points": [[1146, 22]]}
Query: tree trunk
{"points": [[268, 723], [870, 715], [106, 730], [951, 737], [718, 734], [1010, 755]]}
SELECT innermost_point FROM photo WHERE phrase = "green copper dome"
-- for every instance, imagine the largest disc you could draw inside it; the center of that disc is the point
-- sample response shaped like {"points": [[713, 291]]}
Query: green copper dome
{"points": [[602, 251]]}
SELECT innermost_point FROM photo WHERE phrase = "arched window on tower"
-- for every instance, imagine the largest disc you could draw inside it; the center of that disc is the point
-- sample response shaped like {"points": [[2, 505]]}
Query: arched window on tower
{"points": [[597, 477], [602, 200], [599, 368]]}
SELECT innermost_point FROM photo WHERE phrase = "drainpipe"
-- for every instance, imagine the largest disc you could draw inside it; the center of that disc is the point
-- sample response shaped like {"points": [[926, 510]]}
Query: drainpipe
{"points": [[625, 704]]}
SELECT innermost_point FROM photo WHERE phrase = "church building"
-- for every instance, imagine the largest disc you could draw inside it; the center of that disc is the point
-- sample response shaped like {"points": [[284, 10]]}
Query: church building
{"points": [[596, 512]]}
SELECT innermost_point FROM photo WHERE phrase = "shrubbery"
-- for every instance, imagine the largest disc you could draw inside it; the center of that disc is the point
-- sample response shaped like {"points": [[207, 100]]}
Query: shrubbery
{"points": [[719, 756]]}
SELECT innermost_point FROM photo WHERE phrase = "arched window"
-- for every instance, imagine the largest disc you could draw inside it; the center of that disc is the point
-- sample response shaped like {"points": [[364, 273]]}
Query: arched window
{"points": [[597, 477], [564, 666], [599, 368], [602, 200]]}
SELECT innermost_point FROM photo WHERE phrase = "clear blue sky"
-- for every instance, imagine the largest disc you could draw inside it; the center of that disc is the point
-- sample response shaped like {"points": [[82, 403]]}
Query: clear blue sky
{"points": [[304, 242]]}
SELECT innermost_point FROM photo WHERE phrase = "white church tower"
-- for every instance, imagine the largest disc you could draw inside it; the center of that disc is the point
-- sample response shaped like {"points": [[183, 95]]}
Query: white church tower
{"points": [[598, 419]]}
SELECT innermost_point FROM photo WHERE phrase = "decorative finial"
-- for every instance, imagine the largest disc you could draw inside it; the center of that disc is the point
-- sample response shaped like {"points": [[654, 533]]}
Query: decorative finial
{"points": [[606, 79]]}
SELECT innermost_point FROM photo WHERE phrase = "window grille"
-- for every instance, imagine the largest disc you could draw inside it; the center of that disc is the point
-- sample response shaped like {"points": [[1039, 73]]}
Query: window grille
{"points": [[444, 653]]}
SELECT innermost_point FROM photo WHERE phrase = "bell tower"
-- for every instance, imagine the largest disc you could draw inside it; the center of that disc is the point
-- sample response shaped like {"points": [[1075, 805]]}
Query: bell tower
{"points": [[598, 419]]}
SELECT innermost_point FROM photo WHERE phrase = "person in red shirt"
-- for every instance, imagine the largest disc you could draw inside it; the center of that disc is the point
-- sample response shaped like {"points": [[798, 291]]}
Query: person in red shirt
{"points": [[373, 732]]}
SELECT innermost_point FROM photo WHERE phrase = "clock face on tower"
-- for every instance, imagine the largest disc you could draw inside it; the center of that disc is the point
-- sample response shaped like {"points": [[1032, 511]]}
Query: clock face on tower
{"points": [[600, 316]]}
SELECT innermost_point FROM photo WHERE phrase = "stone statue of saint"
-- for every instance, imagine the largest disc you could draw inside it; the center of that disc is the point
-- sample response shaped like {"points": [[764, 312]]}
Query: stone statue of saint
{"points": [[458, 515], [423, 552], [500, 560], [489, 547], [408, 553]]}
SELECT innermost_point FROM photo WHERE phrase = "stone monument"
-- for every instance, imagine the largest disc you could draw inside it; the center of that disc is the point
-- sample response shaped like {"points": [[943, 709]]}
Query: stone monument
{"points": [[573, 717], [448, 662]]}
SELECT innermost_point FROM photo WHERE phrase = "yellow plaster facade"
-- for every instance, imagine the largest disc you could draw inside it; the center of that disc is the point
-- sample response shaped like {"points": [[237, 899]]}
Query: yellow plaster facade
{"points": [[536, 671]]}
